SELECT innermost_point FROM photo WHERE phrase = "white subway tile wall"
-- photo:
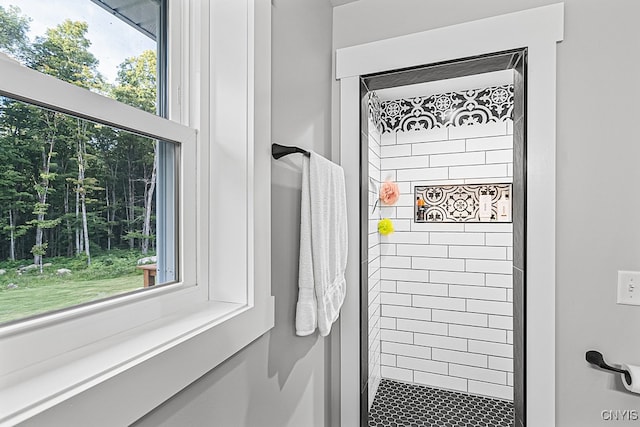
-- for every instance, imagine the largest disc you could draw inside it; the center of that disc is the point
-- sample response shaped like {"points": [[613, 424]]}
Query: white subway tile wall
{"points": [[445, 290], [377, 257]]}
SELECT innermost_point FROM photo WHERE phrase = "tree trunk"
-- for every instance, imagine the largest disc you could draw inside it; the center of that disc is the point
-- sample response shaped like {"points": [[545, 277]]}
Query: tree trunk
{"points": [[67, 222], [77, 228], [12, 248], [43, 191], [132, 205], [148, 202], [82, 155], [85, 230], [127, 223], [109, 226], [114, 208], [37, 259]]}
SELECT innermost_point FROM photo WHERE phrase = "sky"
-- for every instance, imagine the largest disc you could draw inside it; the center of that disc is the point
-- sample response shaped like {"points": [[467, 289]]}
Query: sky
{"points": [[112, 41]]}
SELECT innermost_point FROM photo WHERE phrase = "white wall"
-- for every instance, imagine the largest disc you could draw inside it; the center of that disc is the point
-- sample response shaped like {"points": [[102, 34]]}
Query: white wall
{"points": [[447, 288], [594, 161], [280, 379]]}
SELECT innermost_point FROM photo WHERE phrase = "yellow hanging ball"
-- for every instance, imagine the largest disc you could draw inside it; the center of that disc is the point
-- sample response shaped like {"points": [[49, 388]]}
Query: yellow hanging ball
{"points": [[385, 226]]}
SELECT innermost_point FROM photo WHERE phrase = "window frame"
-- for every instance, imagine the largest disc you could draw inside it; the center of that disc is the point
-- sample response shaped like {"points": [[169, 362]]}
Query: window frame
{"points": [[31, 86], [86, 356]]}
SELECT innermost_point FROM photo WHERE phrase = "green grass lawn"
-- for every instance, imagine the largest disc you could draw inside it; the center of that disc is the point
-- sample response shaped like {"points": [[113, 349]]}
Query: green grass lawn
{"points": [[31, 300], [38, 293]]}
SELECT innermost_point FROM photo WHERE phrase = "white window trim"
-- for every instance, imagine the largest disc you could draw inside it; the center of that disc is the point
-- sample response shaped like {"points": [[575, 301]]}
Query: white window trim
{"points": [[113, 362], [516, 30]]}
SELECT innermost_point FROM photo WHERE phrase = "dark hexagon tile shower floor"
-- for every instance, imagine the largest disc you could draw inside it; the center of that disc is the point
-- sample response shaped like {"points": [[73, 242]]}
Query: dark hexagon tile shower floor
{"points": [[406, 405]]}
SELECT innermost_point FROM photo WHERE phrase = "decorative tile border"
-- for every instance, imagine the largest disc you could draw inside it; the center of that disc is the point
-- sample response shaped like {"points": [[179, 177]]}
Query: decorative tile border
{"points": [[375, 110], [475, 106], [460, 203]]}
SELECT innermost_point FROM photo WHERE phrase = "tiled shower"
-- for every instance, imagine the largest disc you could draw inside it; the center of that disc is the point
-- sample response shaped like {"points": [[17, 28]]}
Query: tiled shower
{"points": [[440, 286]]}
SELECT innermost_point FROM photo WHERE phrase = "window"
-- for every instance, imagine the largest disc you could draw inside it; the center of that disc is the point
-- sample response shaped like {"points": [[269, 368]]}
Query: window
{"points": [[79, 217], [69, 129], [100, 356]]}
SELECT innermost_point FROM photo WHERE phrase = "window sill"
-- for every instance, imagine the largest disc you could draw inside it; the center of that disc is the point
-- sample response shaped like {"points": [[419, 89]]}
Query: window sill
{"points": [[134, 371]]}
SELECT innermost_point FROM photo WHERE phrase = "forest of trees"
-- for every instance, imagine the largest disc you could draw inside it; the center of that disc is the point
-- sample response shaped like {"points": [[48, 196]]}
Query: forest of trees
{"points": [[70, 187]]}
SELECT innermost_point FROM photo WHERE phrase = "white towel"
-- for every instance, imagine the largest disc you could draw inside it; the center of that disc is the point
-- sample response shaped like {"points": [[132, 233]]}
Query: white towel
{"points": [[323, 246]]}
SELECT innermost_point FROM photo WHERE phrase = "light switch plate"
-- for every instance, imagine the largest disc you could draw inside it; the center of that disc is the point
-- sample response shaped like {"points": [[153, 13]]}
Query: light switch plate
{"points": [[629, 287]]}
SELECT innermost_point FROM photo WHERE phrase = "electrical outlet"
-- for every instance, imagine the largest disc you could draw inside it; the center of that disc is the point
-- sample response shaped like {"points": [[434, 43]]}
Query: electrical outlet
{"points": [[629, 287]]}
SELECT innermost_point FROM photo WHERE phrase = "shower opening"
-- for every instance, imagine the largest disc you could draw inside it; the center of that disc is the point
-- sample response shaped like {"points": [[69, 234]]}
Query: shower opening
{"points": [[442, 238]]}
